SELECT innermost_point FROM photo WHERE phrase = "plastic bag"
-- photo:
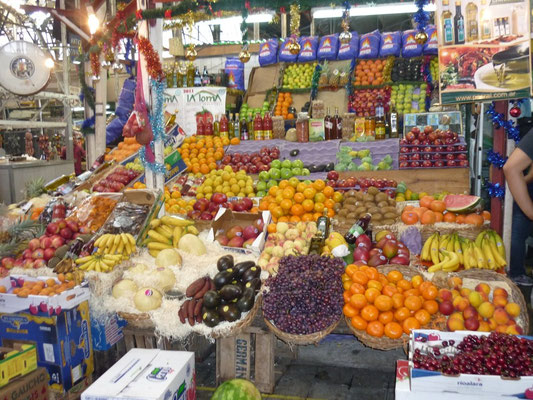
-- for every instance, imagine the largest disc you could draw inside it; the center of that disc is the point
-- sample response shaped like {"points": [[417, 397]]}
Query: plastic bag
{"points": [[284, 54], [391, 44], [369, 45], [234, 69], [349, 51], [268, 52], [93, 212], [431, 46], [308, 48], [328, 47], [410, 47]]}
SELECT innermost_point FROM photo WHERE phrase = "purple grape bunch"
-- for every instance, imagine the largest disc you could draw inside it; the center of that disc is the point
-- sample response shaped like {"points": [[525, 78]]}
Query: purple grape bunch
{"points": [[306, 295], [496, 354]]}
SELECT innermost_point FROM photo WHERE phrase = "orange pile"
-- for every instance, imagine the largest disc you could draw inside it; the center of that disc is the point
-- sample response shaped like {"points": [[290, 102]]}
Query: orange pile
{"points": [[369, 72], [295, 201], [282, 106], [389, 304], [201, 153], [44, 288], [124, 149], [175, 204], [431, 211]]}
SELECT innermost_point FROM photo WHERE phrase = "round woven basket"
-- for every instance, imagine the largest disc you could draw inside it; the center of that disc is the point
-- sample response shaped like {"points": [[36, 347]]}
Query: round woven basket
{"points": [[443, 228], [141, 321], [301, 340], [241, 324], [385, 343], [492, 278]]}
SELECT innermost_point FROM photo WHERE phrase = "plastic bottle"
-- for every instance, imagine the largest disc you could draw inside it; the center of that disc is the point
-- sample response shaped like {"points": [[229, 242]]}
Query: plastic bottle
{"points": [[267, 127], [258, 127], [224, 132], [209, 129], [200, 128]]}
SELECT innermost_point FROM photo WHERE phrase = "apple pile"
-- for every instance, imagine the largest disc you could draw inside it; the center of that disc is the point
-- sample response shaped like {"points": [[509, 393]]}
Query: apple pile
{"points": [[206, 210], [343, 185], [363, 102], [115, 181], [432, 148], [238, 236], [388, 250], [252, 163], [474, 310]]}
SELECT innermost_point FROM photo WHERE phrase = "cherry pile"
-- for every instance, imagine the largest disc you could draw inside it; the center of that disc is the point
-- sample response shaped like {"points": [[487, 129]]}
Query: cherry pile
{"points": [[497, 354]]}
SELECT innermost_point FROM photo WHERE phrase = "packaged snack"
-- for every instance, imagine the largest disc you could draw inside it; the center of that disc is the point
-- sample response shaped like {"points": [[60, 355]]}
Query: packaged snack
{"points": [[235, 71], [410, 47], [308, 48], [432, 45], [93, 212], [369, 44], [391, 44], [349, 51], [284, 54], [126, 218], [328, 47], [268, 52]]}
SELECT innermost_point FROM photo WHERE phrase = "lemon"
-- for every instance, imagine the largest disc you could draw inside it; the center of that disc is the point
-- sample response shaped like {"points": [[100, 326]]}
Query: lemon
{"points": [[408, 194], [230, 194], [242, 183], [227, 168], [199, 196], [208, 189], [208, 196], [235, 188], [219, 189], [200, 190], [232, 181], [241, 194]]}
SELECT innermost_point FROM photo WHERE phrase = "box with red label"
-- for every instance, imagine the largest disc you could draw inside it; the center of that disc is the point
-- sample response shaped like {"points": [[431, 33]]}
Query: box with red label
{"points": [[33, 386]]}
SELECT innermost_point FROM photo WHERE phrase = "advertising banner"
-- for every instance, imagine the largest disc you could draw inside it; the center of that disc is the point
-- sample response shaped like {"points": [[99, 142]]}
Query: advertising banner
{"points": [[190, 105], [484, 50]]}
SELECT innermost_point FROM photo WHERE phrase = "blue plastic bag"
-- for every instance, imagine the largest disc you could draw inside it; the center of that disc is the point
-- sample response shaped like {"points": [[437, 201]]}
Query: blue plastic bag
{"points": [[410, 47], [349, 51], [391, 44], [268, 52], [328, 47], [235, 70], [369, 45], [284, 54], [431, 47], [308, 48]]}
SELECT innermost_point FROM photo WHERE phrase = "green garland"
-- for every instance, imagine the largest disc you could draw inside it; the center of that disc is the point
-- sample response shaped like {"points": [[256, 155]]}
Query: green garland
{"points": [[85, 90]]}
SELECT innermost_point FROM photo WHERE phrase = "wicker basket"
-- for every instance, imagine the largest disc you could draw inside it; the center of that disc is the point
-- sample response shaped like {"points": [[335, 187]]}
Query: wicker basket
{"points": [[443, 228], [301, 340], [241, 324], [492, 278], [140, 321]]}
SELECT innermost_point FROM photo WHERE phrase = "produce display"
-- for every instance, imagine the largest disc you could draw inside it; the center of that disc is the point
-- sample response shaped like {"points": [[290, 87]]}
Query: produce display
{"points": [[284, 106], [247, 112], [201, 153], [387, 305], [483, 308], [91, 214], [252, 163], [124, 150], [226, 181], [343, 185], [206, 210], [126, 218], [306, 294], [111, 250], [406, 69], [409, 98], [385, 250], [369, 72], [363, 101], [169, 233], [285, 169], [298, 76], [50, 287], [119, 178], [346, 156], [240, 236], [334, 77]]}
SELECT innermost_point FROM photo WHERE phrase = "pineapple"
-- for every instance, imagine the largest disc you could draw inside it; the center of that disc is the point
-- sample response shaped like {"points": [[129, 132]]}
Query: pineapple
{"points": [[34, 188], [334, 78], [344, 76], [323, 79]]}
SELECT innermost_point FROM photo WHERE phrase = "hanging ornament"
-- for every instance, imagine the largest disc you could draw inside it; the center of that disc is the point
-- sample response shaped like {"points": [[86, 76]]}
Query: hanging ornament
{"points": [[421, 37], [515, 111], [105, 64], [95, 78], [294, 46], [345, 37], [244, 55], [191, 53], [117, 67]]}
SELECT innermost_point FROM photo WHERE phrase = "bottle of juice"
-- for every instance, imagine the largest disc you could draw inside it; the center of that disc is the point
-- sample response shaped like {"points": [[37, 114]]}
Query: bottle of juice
{"points": [[267, 127], [258, 127], [209, 129], [200, 128], [224, 131], [216, 126], [231, 126]]}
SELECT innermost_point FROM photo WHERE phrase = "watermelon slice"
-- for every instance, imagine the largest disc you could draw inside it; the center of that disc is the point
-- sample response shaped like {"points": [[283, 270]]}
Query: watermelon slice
{"points": [[461, 203]]}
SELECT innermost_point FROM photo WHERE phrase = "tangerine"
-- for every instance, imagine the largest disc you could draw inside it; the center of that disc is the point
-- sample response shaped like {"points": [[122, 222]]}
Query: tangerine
{"points": [[438, 205], [297, 210], [430, 293], [460, 219], [349, 311], [416, 281], [426, 201], [375, 328], [328, 192], [413, 303], [359, 323], [357, 288], [486, 215], [474, 219], [389, 290], [393, 330], [397, 300], [372, 273], [428, 218], [401, 314], [431, 306], [423, 317], [409, 324], [439, 217], [386, 317], [394, 276], [369, 313], [299, 198], [409, 217], [374, 284], [350, 269], [371, 294], [319, 185], [383, 303], [358, 301], [360, 277], [403, 284]]}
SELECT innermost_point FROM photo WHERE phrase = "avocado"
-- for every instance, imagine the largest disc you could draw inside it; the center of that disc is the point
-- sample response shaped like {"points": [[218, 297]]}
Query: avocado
{"points": [[246, 302], [211, 318], [211, 299], [230, 292], [241, 267], [225, 262], [251, 273], [223, 278], [229, 312], [321, 168]]}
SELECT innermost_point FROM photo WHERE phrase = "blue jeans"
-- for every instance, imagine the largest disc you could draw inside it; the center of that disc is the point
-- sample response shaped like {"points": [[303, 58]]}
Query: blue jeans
{"points": [[520, 231]]}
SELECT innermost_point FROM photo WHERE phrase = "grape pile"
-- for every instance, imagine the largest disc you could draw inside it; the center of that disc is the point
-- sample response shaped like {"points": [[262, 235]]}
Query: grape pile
{"points": [[406, 69], [496, 354], [306, 295]]}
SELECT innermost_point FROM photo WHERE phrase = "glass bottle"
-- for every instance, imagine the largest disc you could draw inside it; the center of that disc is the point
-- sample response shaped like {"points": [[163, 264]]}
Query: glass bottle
{"points": [[459, 24], [506, 26], [337, 125], [258, 127], [328, 125], [190, 75], [471, 22], [244, 129], [237, 126], [250, 126], [380, 120], [197, 78], [486, 31], [447, 23], [224, 130], [231, 126], [322, 224], [206, 80], [357, 229], [200, 128], [370, 128], [393, 122], [216, 126], [267, 127], [209, 128], [497, 28]]}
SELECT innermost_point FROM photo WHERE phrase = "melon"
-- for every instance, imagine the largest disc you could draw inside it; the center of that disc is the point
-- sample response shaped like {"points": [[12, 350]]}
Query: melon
{"points": [[461, 203], [237, 389]]}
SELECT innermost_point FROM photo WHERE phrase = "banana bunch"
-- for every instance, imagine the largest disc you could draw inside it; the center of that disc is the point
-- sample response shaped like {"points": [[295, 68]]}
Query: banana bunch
{"points": [[166, 232], [99, 262], [122, 244], [449, 252]]}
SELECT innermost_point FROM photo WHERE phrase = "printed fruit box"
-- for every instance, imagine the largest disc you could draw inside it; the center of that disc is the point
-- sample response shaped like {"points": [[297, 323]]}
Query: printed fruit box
{"points": [[447, 120], [435, 381], [174, 166], [20, 359], [36, 304]]}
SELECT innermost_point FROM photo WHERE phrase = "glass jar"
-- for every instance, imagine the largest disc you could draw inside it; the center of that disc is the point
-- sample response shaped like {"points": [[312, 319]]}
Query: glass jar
{"points": [[302, 127]]}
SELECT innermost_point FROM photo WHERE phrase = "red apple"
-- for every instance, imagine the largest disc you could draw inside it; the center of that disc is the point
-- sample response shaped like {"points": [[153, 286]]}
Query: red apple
{"points": [[45, 242]]}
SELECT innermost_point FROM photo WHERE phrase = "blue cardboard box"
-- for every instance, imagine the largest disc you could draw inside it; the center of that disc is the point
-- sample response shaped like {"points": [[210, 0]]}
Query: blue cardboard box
{"points": [[64, 343], [106, 334]]}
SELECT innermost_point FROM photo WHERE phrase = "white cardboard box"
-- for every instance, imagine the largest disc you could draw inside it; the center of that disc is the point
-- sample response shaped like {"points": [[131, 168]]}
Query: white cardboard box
{"points": [[480, 386], [147, 374]]}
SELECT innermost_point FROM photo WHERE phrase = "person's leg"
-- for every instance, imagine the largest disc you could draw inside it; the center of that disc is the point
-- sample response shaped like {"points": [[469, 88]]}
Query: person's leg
{"points": [[520, 231]]}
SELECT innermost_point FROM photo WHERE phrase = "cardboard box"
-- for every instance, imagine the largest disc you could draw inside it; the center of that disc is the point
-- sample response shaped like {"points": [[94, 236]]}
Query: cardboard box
{"points": [[44, 305], [147, 374], [226, 218], [263, 79], [175, 166], [20, 360], [63, 342], [334, 99], [74, 393], [33, 386], [466, 384], [108, 333]]}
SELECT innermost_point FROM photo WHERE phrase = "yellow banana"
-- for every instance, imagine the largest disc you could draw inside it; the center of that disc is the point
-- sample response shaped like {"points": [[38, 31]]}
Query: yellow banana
{"points": [[472, 256], [120, 247], [487, 253], [83, 260], [500, 261], [157, 236], [113, 249], [176, 221], [499, 243], [193, 230], [453, 263], [153, 253], [438, 267], [451, 243], [466, 257], [443, 246], [479, 238], [131, 239], [434, 250], [457, 249], [155, 223], [480, 258], [176, 235], [159, 246], [425, 253], [163, 232]]}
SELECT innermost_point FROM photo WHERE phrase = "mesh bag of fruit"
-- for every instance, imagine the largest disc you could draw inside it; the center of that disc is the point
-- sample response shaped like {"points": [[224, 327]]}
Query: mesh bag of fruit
{"points": [[93, 212]]}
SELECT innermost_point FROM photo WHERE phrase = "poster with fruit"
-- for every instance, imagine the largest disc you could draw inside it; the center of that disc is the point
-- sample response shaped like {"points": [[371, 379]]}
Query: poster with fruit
{"points": [[195, 104], [484, 50]]}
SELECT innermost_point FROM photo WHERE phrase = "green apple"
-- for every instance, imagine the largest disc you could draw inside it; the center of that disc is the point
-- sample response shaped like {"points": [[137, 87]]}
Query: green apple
{"points": [[275, 173], [261, 186], [297, 164], [305, 172], [271, 183], [275, 164], [286, 164], [297, 171], [294, 182], [307, 182], [264, 176], [261, 193], [286, 173]]}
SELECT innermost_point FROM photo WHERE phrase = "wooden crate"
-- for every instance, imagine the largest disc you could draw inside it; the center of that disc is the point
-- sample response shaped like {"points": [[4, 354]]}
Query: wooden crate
{"points": [[249, 355]]}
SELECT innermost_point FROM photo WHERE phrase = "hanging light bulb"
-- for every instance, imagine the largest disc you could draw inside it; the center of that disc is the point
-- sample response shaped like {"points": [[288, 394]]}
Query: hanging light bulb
{"points": [[96, 78], [92, 20], [49, 63]]}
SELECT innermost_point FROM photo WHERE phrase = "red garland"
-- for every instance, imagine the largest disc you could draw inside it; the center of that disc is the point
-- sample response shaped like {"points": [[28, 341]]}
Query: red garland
{"points": [[139, 14], [247, 5], [95, 63], [168, 13], [282, 10], [153, 64]]}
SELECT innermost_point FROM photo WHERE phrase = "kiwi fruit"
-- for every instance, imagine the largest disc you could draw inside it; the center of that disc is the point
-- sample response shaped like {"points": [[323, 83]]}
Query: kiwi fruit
{"points": [[352, 216], [369, 204], [359, 195], [351, 193], [382, 204], [389, 209], [342, 213], [380, 197], [373, 190], [373, 210], [360, 210], [349, 200], [390, 215], [359, 204], [377, 217], [392, 202], [337, 207], [368, 197], [388, 222]]}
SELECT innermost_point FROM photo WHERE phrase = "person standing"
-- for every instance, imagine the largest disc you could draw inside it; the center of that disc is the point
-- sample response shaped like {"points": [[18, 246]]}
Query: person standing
{"points": [[79, 155]]}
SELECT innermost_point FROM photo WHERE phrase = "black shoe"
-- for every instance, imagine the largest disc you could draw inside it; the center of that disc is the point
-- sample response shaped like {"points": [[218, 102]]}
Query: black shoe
{"points": [[522, 280]]}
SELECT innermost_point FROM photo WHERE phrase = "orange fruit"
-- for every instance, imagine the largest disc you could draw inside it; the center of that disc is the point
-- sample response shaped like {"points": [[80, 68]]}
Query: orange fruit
{"points": [[346, 284], [386, 317], [409, 217], [371, 294], [299, 198], [319, 208], [397, 300], [288, 192], [404, 284], [431, 306], [359, 323], [430, 293], [286, 204], [393, 330], [308, 217], [401, 314], [416, 281], [295, 218], [413, 303], [271, 228], [337, 196], [300, 187], [308, 205], [349, 311], [423, 317], [460, 219], [360, 277], [383, 303], [283, 184], [474, 219], [411, 292], [329, 203], [375, 328], [319, 198], [309, 193], [394, 276], [369, 313], [319, 185], [358, 301], [428, 218], [357, 288], [374, 284], [389, 290], [372, 273], [486, 215], [439, 217], [346, 296], [297, 210], [345, 277], [328, 191], [426, 201], [4, 290], [350, 269], [409, 324], [438, 205]]}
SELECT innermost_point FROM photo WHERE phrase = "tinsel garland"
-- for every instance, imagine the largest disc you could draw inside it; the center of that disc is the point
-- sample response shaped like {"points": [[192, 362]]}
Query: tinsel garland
{"points": [[421, 17], [86, 93], [295, 20], [128, 62], [314, 81], [498, 121], [495, 190], [244, 25], [496, 159], [87, 126], [95, 63], [428, 78], [153, 63]]}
